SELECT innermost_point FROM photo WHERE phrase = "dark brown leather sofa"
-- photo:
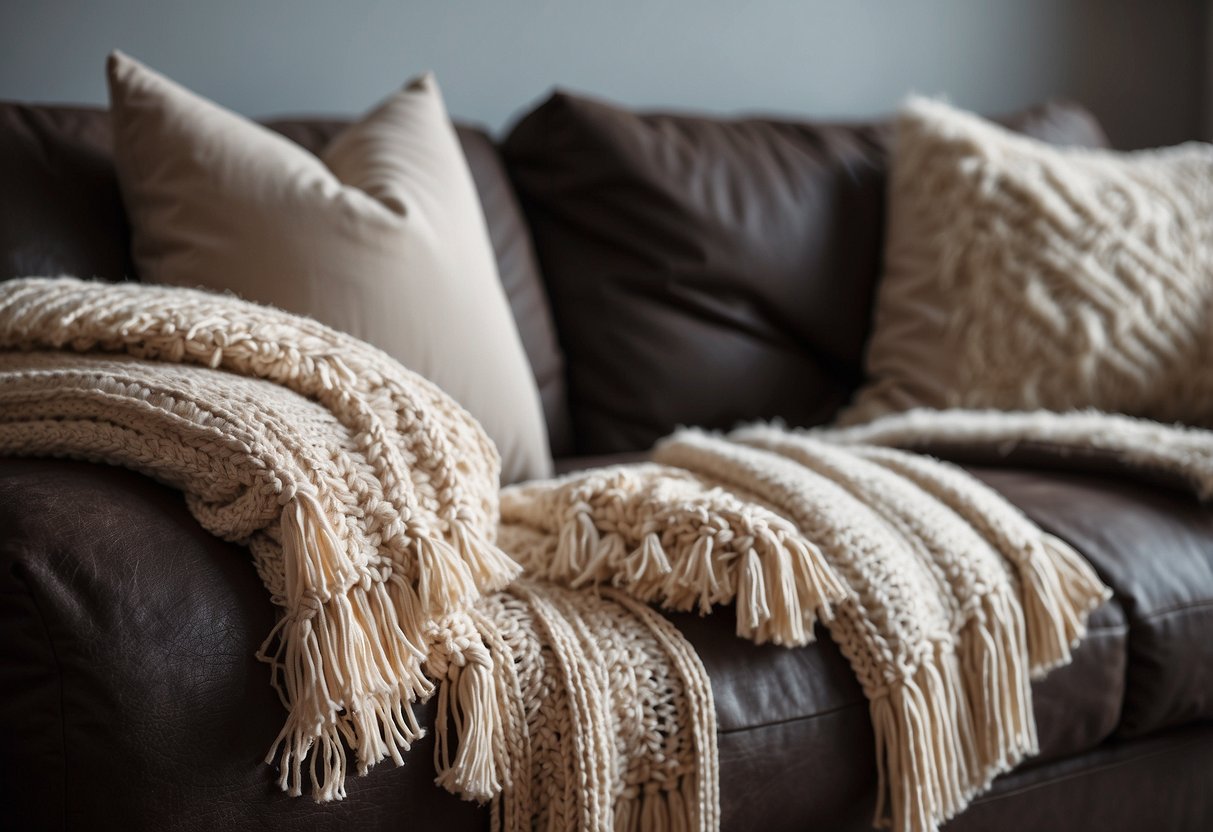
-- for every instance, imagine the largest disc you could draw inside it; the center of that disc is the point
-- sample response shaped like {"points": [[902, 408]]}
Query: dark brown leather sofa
{"points": [[663, 270]]}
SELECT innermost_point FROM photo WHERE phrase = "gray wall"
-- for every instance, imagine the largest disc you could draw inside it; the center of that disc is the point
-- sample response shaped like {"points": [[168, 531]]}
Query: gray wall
{"points": [[1141, 64]]}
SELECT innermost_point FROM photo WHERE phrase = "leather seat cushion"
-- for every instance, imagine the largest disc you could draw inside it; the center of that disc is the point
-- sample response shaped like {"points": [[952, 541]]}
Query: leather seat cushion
{"points": [[1154, 547], [787, 716], [1157, 782], [115, 602], [131, 696], [1148, 662], [772, 702]]}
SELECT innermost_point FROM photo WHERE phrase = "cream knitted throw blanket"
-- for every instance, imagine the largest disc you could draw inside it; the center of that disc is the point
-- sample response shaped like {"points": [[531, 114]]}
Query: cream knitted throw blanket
{"points": [[368, 499], [369, 502], [945, 599]]}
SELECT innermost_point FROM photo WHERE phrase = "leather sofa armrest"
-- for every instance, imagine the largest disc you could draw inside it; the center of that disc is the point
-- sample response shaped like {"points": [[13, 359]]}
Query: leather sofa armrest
{"points": [[129, 690]]}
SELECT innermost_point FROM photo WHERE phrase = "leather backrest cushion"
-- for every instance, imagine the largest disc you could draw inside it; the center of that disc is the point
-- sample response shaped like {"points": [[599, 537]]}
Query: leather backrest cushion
{"points": [[705, 271], [60, 209], [61, 213]]}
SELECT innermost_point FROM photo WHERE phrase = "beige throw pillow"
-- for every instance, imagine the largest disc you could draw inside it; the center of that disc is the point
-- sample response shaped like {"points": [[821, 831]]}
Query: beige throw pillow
{"points": [[1020, 275], [382, 236]]}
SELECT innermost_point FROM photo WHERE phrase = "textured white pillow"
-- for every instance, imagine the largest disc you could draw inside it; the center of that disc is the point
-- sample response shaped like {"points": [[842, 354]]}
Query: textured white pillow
{"points": [[382, 236], [1019, 275]]}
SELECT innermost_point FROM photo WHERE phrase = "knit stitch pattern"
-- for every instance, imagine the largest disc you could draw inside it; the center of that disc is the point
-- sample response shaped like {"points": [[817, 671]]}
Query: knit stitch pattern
{"points": [[1019, 275], [368, 499], [366, 495], [369, 502], [944, 598]]}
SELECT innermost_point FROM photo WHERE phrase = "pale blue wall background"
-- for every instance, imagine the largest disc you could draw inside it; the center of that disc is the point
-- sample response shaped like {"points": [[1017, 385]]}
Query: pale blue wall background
{"points": [[1139, 63]]}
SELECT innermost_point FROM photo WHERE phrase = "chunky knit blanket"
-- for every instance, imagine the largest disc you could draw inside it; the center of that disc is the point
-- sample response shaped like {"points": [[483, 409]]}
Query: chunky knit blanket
{"points": [[369, 502], [945, 600]]}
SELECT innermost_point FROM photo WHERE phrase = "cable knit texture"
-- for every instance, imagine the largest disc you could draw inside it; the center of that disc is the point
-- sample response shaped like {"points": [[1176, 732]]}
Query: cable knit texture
{"points": [[1019, 275], [366, 495], [368, 499], [945, 599]]}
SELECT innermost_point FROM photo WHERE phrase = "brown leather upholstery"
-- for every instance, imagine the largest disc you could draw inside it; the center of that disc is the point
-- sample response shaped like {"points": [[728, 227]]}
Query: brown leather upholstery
{"points": [[1160, 783], [1155, 549], [129, 632], [129, 694], [60, 209], [61, 213], [705, 271]]}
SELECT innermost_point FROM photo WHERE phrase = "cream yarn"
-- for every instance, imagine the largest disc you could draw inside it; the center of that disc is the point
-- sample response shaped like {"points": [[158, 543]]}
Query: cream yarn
{"points": [[370, 504], [943, 597], [369, 501], [367, 496], [1175, 453], [610, 719], [1019, 275]]}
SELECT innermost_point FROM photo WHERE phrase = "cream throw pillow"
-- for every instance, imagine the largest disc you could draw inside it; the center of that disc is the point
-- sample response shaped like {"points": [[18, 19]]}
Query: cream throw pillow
{"points": [[1019, 275], [382, 236]]}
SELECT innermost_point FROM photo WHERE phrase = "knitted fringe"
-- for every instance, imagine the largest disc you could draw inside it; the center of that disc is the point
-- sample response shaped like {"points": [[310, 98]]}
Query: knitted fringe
{"points": [[681, 551], [946, 600], [343, 665], [1058, 588], [367, 496], [660, 809], [948, 728], [472, 702], [348, 665], [596, 762]]}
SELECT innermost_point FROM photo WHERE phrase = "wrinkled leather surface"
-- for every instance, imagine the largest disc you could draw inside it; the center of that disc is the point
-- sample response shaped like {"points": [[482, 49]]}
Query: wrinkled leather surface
{"points": [[705, 271], [134, 652], [799, 716], [1161, 783], [1155, 549], [61, 213], [131, 696]]}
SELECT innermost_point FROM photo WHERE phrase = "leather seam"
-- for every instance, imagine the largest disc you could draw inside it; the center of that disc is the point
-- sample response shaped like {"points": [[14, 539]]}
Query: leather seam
{"points": [[20, 573], [1109, 766], [777, 722], [1193, 605], [1114, 629]]}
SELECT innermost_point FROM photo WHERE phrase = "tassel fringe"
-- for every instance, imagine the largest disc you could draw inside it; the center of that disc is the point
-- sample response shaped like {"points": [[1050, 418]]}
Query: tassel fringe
{"points": [[946, 730], [655, 809], [780, 581], [469, 703], [360, 650], [1060, 590], [348, 659]]}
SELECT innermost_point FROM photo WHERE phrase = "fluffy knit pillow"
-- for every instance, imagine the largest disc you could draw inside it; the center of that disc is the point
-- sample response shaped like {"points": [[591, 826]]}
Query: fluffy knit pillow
{"points": [[382, 236], [1020, 275]]}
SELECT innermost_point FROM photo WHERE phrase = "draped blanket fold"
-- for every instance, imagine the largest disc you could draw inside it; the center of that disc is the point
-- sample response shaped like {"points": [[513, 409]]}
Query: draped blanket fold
{"points": [[945, 600], [369, 502]]}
